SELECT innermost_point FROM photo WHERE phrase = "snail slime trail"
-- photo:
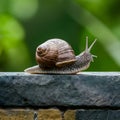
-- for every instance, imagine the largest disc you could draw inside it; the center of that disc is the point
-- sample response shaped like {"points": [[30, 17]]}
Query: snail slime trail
{"points": [[56, 56]]}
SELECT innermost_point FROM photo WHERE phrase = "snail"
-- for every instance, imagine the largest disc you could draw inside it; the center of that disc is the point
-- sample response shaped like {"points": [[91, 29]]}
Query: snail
{"points": [[56, 56]]}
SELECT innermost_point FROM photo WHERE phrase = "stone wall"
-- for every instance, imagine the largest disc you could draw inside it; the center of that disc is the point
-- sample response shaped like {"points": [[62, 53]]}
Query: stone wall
{"points": [[86, 96]]}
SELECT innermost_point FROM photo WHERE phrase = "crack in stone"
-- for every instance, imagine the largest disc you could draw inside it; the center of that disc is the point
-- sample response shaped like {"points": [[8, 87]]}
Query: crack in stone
{"points": [[35, 116], [62, 114]]}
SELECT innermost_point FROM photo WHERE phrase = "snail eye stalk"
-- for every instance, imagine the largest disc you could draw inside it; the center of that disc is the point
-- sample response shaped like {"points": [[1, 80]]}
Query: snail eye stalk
{"points": [[89, 49]]}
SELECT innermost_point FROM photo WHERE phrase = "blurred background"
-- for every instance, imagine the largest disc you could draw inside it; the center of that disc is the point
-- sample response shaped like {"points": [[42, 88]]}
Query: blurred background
{"points": [[24, 24]]}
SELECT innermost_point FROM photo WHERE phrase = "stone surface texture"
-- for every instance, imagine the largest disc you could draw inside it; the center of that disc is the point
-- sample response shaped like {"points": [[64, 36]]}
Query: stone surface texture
{"points": [[49, 114], [84, 89], [28, 114], [70, 115], [97, 115], [55, 114], [16, 114]]}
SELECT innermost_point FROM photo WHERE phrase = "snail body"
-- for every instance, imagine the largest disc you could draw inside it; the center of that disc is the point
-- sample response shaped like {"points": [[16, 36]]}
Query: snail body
{"points": [[59, 58]]}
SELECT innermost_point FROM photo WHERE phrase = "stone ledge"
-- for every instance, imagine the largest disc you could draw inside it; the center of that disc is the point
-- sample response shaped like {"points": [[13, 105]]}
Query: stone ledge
{"points": [[85, 89]]}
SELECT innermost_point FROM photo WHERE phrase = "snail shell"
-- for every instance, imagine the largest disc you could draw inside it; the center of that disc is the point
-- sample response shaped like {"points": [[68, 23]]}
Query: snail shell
{"points": [[54, 52]]}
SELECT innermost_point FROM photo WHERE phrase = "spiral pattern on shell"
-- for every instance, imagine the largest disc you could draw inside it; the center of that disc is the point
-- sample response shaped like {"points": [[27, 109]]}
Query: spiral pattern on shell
{"points": [[54, 52]]}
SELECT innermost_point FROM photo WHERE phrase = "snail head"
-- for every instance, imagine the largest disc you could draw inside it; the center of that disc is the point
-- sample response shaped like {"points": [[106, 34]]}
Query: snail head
{"points": [[88, 49]]}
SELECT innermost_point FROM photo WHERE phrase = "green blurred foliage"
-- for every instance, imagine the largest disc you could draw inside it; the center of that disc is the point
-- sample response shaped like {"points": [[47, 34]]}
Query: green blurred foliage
{"points": [[12, 45], [24, 24]]}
